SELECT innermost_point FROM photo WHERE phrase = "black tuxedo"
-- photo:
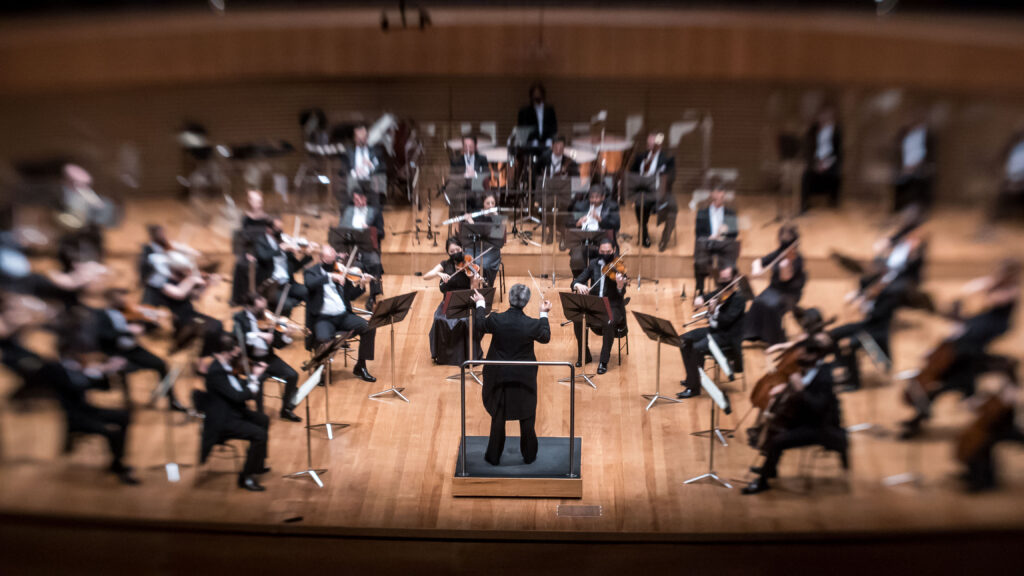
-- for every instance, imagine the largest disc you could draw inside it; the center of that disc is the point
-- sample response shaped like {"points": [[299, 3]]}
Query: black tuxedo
{"points": [[877, 324], [325, 327], [609, 289], [276, 367], [510, 392], [708, 253], [828, 181], [579, 258], [369, 260], [265, 254], [480, 164], [528, 117], [914, 187], [227, 417], [661, 201], [726, 327], [567, 168], [113, 341]]}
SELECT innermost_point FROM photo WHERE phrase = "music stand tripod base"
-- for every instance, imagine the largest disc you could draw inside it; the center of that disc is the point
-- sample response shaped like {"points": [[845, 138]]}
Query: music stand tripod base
{"points": [[327, 425], [396, 391], [314, 474], [710, 475]]}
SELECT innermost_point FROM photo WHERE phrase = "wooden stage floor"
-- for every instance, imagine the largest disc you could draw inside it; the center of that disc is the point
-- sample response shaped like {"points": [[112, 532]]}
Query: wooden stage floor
{"points": [[390, 472]]}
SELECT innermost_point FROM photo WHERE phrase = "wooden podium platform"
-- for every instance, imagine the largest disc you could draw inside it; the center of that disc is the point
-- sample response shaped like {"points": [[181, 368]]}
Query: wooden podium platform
{"points": [[546, 477]]}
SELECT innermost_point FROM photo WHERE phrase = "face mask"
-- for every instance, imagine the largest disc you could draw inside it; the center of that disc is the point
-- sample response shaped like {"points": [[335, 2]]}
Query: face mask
{"points": [[457, 257], [607, 257]]}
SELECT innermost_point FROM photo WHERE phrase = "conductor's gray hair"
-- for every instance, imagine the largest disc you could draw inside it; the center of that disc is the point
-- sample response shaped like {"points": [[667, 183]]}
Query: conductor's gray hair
{"points": [[518, 296]]}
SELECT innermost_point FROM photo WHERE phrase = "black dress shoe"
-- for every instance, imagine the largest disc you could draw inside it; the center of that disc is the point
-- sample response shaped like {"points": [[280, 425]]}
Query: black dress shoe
{"points": [[363, 374], [370, 303], [757, 486], [647, 242], [265, 470], [529, 460], [124, 474], [662, 246], [688, 393], [288, 414], [759, 470], [492, 462], [177, 406], [250, 484], [602, 368]]}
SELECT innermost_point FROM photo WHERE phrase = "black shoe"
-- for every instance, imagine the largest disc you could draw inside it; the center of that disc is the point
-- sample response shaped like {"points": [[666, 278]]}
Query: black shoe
{"points": [[688, 393], [370, 303], [529, 460], [759, 470], [602, 368], [844, 458], [265, 470], [492, 462], [124, 474], [662, 246], [250, 484], [363, 374], [647, 242], [177, 406], [758, 485], [289, 415]]}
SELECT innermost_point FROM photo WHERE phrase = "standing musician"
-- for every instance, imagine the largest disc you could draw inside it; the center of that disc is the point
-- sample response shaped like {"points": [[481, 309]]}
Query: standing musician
{"points": [[603, 279], [448, 336], [726, 307], [538, 115], [658, 164], [491, 260], [510, 392], [803, 411], [716, 235], [118, 327], [262, 337], [962, 357], [227, 416], [554, 163], [277, 261], [915, 165], [329, 310], [361, 216], [824, 149], [764, 319], [597, 212]]}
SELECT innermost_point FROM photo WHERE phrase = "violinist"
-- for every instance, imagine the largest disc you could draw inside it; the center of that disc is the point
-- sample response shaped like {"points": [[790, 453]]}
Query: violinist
{"points": [[491, 261], [118, 328], [154, 264], [605, 278], [956, 364], [362, 216], [803, 411], [277, 261], [554, 163], [448, 337], [187, 285], [261, 339], [329, 309], [764, 319], [596, 212], [252, 226], [726, 308]]}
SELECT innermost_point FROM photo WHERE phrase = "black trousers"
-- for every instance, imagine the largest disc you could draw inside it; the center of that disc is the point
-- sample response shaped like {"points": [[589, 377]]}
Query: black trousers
{"points": [[643, 216], [914, 189], [109, 423], [695, 348], [496, 441], [253, 427], [278, 368], [832, 438], [607, 333], [820, 183], [297, 293], [139, 358], [325, 327], [845, 337]]}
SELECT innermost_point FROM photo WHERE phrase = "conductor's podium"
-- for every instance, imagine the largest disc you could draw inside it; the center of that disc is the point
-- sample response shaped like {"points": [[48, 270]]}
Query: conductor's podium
{"points": [[546, 477], [556, 473]]}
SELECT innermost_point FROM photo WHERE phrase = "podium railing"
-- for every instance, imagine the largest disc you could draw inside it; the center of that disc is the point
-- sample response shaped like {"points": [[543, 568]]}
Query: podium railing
{"points": [[572, 401]]}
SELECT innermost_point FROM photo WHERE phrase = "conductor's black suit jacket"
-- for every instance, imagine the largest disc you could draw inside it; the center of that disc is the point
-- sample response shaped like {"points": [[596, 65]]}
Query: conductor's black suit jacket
{"points": [[511, 390]]}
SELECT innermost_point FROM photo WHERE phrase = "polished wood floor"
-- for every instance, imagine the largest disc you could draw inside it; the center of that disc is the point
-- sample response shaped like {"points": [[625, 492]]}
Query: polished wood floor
{"points": [[391, 469]]}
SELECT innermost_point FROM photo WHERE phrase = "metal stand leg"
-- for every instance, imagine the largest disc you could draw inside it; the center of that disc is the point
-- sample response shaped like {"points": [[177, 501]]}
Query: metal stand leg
{"points": [[584, 347], [711, 456], [657, 385], [327, 424], [472, 373], [913, 474], [313, 473], [391, 389], [715, 431]]}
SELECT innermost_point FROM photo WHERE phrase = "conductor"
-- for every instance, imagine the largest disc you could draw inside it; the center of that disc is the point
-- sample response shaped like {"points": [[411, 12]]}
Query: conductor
{"points": [[510, 392]]}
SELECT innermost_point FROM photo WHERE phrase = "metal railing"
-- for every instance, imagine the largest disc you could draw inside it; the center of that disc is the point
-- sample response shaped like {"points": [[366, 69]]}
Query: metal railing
{"points": [[572, 401]]}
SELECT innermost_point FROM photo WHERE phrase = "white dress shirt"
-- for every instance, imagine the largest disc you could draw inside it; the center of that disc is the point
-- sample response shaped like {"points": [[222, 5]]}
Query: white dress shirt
{"points": [[254, 338], [556, 164], [914, 147], [717, 217], [280, 275], [824, 149], [591, 224], [1015, 163], [359, 217], [652, 163], [539, 108], [333, 304], [126, 341]]}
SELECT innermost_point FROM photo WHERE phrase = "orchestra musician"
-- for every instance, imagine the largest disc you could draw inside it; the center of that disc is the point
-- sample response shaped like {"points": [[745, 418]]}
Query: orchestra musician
{"points": [[997, 421], [824, 148], [657, 164], [726, 308], [510, 392], [252, 227], [329, 309], [803, 411], [878, 303], [228, 417], [470, 165], [554, 163], [610, 284], [915, 165], [360, 215], [764, 319], [448, 337], [277, 261], [539, 116], [1009, 202], [716, 235], [262, 337], [179, 292], [597, 212], [362, 160], [490, 260]]}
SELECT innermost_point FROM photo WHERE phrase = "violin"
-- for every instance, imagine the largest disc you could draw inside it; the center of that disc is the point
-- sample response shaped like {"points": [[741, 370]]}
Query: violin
{"points": [[351, 273], [613, 269], [142, 314], [469, 266]]}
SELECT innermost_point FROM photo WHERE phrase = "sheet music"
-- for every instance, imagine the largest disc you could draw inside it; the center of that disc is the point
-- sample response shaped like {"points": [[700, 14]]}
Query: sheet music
{"points": [[308, 386], [723, 362], [714, 391]]}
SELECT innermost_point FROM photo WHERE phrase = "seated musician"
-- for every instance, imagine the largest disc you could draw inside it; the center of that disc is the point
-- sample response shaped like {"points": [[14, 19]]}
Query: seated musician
{"points": [[469, 164], [764, 319], [362, 160], [1009, 202], [360, 215], [154, 270], [185, 286], [726, 307], [970, 340], [118, 337], [448, 337], [277, 261], [824, 149], [597, 212], [613, 287], [656, 163], [997, 421], [253, 225], [329, 309], [879, 303], [554, 163], [716, 235], [260, 344], [805, 411], [491, 260], [228, 417]]}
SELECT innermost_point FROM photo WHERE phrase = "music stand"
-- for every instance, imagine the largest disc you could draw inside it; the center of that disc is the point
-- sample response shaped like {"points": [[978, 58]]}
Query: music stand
{"points": [[459, 304], [719, 401], [171, 467], [586, 308], [388, 312], [325, 357], [641, 185], [585, 239], [661, 331], [555, 191], [303, 394], [881, 362], [721, 365], [365, 239]]}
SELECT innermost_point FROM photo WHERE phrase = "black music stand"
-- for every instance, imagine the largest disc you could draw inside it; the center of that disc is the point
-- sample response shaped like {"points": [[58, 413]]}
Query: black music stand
{"points": [[555, 192], [586, 308], [661, 331], [719, 401], [342, 237], [484, 235], [584, 240], [463, 195], [459, 304], [389, 312], [637, 185], [325, 357]]}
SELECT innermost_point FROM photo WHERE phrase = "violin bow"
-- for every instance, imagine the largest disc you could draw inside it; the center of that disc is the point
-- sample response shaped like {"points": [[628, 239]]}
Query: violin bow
{"points": [[473, 261], [537, 286]]}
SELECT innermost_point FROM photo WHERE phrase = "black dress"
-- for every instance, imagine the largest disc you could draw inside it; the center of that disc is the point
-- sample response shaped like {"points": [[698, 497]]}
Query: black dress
{"points": [[764, 319], [448, 337]]}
